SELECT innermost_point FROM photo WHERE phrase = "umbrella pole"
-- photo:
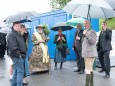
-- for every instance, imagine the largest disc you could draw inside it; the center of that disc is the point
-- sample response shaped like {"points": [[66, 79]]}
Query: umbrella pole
{"points": [[88, 11]]}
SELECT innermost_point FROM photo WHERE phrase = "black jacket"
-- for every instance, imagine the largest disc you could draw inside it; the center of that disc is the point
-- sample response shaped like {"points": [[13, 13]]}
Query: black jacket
{"points": [[106, 40], [16, 44], [78, 42], [3, 39]]}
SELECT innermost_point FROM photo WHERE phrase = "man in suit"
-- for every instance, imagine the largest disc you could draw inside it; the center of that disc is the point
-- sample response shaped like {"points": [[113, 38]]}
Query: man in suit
{"points": [[89, 51], [103, 48], [77, 48]]}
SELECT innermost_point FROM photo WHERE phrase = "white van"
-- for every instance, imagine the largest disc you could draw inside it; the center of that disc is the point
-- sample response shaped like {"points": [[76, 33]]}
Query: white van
{"points": [[112, 53]]}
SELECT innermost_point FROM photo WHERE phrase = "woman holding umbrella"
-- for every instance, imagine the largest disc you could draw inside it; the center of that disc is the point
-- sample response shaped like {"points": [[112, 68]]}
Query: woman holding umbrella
{"points": [[61, 45]]}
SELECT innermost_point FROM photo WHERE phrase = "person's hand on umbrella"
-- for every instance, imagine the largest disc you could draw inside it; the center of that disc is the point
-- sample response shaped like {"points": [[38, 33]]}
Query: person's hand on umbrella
{"points": [[77, 37], [84, 32]]}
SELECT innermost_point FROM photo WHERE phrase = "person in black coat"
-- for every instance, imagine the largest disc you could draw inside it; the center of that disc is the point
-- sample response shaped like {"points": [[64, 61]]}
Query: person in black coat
{"points": [[103, 47], [77, 47], [2, 45], [17, 50]]}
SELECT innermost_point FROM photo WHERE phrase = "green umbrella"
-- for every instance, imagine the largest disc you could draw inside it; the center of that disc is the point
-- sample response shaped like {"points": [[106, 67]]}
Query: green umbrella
{"points": [[75, 21]]}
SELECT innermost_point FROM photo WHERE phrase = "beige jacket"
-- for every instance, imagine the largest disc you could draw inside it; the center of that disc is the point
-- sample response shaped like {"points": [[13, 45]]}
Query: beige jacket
{"points": [[89, 44]]}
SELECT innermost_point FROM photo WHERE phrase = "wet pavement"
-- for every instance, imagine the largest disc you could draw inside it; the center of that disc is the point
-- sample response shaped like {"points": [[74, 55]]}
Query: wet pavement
{"points": [[64, 77]]}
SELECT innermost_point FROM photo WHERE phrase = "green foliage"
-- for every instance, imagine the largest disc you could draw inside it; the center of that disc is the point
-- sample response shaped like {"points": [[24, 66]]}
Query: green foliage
{"points": [[58, 4], [110, 23], [46, 29]]}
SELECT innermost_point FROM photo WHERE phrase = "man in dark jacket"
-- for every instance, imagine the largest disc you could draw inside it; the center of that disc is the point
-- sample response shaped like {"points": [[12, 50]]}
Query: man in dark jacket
{"points": [[77, 47], [17, 52], [103, 48], [2, 45]]}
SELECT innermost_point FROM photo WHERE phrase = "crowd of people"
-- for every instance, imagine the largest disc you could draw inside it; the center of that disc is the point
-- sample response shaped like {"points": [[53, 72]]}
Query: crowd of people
{"points": [[87, 49], [85, 46]]}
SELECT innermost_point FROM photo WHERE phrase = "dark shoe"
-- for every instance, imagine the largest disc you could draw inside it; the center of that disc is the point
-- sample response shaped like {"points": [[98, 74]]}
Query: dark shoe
{"points": [[25, 83], [10, 80], [106, 76], [78, 70], [55, 68], [101, 71], [81, 72], [49, 71], [60, 67]]}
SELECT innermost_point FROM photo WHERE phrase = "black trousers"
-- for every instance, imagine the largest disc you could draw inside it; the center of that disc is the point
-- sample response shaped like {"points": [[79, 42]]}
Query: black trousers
{"points": [[104, 60], [2, 51], [80, 60]]}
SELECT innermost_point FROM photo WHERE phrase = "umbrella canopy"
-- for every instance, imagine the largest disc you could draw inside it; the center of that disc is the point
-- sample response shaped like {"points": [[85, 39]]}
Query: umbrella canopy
{"points": [[27, 26], [75, 21], [90, 9], [62, 25], [5, 30], [111, 3], [21, 17]]}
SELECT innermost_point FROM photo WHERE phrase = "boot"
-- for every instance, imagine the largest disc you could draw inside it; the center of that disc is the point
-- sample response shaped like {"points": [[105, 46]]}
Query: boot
{"points": [[88, 79], [91, 83], [61, 65], [55, 66]]}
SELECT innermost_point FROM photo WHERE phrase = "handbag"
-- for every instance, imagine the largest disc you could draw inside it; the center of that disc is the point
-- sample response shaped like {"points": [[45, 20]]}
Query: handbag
{"points": [[60, 47]]}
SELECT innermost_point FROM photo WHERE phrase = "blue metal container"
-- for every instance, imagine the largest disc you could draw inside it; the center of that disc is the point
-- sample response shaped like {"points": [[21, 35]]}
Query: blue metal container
{"points": [[51, 18]]}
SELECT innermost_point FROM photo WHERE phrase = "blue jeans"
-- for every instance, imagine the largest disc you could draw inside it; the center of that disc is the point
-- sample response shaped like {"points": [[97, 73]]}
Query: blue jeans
{"points": [[18, 72], [26, 64]]}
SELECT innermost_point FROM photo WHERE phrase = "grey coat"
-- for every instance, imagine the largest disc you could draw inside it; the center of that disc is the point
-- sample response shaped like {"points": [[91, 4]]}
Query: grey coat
{"points": [[89, 44]]}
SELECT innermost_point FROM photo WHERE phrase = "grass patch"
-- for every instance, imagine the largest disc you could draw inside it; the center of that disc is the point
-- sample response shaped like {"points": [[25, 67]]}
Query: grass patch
{"points": [[110, 22]]}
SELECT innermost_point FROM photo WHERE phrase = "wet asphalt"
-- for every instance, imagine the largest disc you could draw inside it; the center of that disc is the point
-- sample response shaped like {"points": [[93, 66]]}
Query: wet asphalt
{"points": [[59, 77]]}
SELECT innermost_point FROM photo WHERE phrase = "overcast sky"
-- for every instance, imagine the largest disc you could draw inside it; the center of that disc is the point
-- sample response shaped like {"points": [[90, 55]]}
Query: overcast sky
{"points": [[8, 7]]}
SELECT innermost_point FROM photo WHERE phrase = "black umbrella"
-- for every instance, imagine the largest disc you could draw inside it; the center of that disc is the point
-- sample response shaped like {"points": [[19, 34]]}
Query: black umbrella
{"points": [[61, 25], [21, 17], [21, 21]]}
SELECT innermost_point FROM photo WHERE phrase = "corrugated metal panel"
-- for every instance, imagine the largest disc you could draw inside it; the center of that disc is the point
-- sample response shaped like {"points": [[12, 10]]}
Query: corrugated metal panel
{"points": [[30, 44], [51, 19]]}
